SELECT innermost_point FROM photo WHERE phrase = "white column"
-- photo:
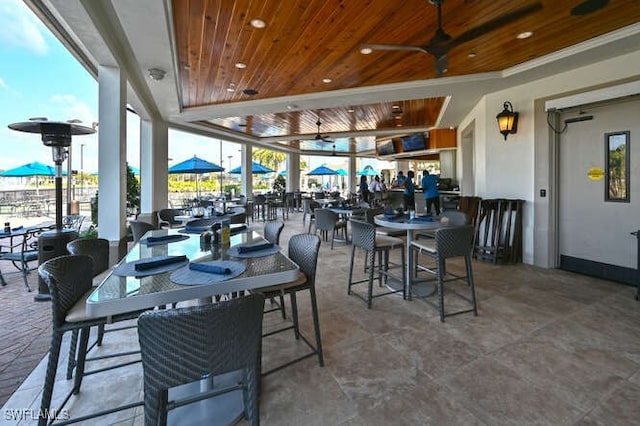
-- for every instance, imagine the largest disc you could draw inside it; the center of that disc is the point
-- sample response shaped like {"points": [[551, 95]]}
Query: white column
{"points": [[293, 172], [352, 182], [154, 142], [245, 164], [112, 156]]}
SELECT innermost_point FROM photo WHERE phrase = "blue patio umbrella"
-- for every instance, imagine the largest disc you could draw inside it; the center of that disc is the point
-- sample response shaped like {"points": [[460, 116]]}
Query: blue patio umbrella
{"points": [[322, 171], [195, 166], [256, 169], [31, 169], [367, 171], [342, 173]]}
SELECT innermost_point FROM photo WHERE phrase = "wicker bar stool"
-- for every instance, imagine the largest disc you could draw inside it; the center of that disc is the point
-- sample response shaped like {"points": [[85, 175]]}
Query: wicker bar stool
{"points": [[201, 364], [69, 280], [450, 242], [303, 249], [363, 236]]}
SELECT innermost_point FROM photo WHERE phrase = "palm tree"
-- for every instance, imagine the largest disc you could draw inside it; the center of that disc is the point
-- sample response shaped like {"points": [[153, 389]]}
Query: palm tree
{"points": [[271, 159]]}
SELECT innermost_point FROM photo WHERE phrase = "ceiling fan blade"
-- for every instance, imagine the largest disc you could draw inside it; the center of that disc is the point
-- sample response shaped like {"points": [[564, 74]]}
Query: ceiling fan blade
{"points": [[394, 47], [442, 65], [489, 26]]}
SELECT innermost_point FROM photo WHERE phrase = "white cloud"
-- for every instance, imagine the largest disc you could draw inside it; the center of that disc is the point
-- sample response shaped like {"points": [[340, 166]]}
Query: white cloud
{"points": [[20, 28], [3, 85], [70, 108]]}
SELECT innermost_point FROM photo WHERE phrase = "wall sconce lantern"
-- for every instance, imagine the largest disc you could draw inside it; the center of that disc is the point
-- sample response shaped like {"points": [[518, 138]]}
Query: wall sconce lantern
{"points": [[507, 120]]}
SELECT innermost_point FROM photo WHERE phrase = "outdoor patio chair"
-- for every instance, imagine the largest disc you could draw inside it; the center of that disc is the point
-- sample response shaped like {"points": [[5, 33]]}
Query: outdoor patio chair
{"points": [[21, 249], [98, 250], [381, 230], [271, 233], [167, 218], [139, 228], [259, 207], [328, 222], [73, 221], [450, 243], [363, 236], [69, 281], [452, 217], [303, 250], [238, 217], [308, 207], [201, 364]]}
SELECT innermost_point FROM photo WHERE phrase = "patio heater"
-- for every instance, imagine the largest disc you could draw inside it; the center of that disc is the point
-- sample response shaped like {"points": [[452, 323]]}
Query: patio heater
{"points": [[56, 135]]}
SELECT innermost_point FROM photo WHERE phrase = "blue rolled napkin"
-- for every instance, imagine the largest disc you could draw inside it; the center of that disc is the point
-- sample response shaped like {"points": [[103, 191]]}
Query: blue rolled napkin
{"points": [[211, 269], [423, 219], [197, 228], [247, 248], [17, 228], [150, 264], [238, 229], [164, 238]]}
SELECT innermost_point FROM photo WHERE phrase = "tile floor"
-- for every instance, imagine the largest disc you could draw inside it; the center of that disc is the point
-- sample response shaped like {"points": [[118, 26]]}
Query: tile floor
{"points": [[548, 347]]}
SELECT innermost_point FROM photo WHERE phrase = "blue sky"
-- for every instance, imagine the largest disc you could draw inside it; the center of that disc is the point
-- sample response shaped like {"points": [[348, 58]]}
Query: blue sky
{"points": [[40, 78]]}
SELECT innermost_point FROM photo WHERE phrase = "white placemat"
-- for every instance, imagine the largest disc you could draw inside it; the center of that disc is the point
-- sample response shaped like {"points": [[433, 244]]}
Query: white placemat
{"points": [[128, 269], [233, 251], [186, 276]]}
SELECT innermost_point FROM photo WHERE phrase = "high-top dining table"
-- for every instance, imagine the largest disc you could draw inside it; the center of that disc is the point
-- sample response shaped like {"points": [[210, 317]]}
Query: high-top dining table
{"points": [[415, 288], [121, 294]]}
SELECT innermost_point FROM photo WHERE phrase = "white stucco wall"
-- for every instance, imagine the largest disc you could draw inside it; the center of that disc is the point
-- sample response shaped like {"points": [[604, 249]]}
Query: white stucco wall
{"points": [[507, 169]]}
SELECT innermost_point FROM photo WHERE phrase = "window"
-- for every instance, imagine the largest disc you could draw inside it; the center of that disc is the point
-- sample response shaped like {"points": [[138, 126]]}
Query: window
{"points": [[617, 163]]}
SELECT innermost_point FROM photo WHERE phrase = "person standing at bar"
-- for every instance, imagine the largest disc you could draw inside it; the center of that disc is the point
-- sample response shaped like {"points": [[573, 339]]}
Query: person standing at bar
{"points": [[430, 190], [409, 191], [399, 181], [364, 189]]}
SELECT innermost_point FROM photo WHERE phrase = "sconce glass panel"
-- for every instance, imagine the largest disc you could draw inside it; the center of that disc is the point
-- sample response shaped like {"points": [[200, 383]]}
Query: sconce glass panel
{"points": [[617, 162]]}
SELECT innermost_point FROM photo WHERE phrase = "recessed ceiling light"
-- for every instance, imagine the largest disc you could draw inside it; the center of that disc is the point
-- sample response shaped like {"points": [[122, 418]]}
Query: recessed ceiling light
{"points": [[395, 106], [326, 80], [524, 35], [472, 54], [240, 65], [351, 110], [230, 89], [291, 107], [258, 23], [366, 51]]}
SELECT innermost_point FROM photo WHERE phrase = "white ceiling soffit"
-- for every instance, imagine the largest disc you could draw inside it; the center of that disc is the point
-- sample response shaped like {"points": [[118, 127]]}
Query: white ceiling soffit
{"points": [[599, 95]]}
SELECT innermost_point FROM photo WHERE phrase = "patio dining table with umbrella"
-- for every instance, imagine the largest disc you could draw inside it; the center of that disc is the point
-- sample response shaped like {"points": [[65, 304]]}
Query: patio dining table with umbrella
{"points": [[195, 166], [322, 171]]}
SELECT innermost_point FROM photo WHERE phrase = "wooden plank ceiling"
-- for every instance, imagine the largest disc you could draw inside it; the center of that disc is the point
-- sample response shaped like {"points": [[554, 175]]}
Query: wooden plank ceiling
{"points": [[306, 42]]}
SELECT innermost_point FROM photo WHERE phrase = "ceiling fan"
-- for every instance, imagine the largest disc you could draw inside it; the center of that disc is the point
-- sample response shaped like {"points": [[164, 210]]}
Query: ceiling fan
{"points": [[441, 42], [319, 137]]}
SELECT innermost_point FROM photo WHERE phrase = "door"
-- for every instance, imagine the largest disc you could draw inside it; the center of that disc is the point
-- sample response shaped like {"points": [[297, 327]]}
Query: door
{"points": [[594, 233], [468, 162]]}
